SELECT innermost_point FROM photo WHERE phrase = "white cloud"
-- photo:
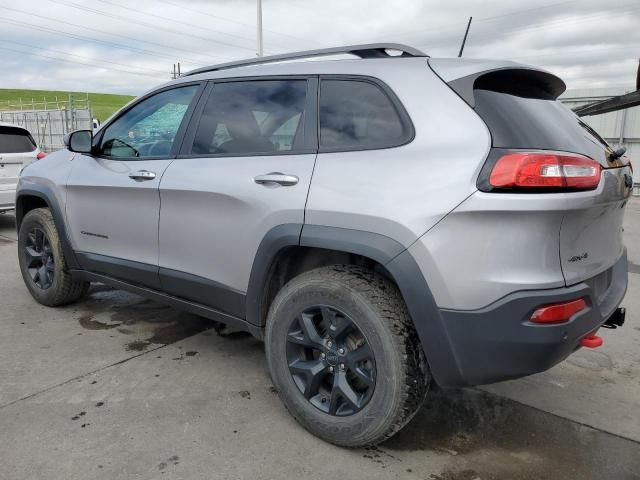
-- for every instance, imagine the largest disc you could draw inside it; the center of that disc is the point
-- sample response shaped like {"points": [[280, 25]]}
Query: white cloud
{"points": [[131, 46]]}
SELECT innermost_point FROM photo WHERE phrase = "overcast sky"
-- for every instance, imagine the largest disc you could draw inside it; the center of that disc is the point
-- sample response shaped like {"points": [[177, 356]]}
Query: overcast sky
{"points": [[126, 46]]}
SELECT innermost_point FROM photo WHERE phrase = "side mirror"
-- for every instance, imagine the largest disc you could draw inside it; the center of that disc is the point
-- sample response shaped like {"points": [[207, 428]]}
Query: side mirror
{"points": [[79, 141]]}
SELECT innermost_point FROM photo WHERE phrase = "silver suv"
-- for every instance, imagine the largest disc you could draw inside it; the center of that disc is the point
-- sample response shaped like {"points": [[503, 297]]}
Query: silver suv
{"points": [[382, 221]]}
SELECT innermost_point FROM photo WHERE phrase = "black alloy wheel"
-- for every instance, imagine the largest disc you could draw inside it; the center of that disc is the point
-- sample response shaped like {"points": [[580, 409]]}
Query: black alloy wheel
{"points": [[331, 361], [39, 258]]}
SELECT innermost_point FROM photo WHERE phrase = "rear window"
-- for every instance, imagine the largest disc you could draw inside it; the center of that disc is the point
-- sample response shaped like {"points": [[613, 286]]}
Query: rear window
{"points": [[15, 140], [357, 115], [521, 111]]}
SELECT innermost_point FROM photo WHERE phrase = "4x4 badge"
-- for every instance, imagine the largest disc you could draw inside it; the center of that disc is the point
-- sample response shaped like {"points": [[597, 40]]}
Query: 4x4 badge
{"points": [[579, 258]]}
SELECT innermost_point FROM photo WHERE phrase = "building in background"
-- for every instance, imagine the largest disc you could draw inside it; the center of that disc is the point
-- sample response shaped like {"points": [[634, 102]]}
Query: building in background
{"points": [[617, 128]]}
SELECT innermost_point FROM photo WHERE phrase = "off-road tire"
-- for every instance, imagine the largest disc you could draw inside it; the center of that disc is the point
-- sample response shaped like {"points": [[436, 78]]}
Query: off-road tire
{"points": [[376, 306], [63, 289]]}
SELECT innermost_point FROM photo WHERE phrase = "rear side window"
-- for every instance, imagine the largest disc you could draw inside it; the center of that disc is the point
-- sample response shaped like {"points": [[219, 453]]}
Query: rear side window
{"points": [[358, 114], [15, 140], [252, 118]]}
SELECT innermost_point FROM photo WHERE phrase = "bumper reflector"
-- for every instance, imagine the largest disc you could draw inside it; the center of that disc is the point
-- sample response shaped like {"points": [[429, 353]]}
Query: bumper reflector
{"points": [[558, 312], [591, 341]]}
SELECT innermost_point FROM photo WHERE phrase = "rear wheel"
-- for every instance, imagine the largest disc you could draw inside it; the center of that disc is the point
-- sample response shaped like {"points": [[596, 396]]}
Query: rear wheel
{"points": [[42, 262], [344, 355]]}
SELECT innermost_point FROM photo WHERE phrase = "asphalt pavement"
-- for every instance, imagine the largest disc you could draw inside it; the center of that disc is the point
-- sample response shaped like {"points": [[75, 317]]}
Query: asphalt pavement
{"points": [[118, 387]]}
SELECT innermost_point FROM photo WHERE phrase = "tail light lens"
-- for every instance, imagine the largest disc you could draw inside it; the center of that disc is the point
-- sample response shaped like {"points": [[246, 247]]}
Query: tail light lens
{"points": [[558, 312], [40, 155], [537, 170]]}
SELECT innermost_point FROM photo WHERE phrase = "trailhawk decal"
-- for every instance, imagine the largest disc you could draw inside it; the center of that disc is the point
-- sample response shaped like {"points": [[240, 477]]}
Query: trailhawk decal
{"points": [[91, 234]]}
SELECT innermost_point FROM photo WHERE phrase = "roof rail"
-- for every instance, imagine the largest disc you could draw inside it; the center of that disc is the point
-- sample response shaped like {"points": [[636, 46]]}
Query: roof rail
{"points": [[370, 50]]}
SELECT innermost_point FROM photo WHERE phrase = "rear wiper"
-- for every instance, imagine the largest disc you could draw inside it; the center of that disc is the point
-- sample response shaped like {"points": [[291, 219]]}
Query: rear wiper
{"points": [[616, 154]]}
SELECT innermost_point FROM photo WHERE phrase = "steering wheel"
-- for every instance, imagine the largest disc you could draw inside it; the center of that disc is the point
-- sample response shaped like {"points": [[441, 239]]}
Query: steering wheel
{"points": [[163, 145]]}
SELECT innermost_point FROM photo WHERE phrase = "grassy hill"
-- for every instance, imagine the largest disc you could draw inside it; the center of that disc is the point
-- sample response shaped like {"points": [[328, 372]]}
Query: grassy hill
{"points": [[102, 104]]}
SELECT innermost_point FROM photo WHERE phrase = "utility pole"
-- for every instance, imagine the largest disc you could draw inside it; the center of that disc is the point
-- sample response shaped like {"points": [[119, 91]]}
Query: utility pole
{"points": [[260, 52], [176, 73]]}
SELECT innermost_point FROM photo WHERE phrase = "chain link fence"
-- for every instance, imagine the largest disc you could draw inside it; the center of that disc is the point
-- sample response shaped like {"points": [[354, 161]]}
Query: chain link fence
{"points": [[49, 121]]}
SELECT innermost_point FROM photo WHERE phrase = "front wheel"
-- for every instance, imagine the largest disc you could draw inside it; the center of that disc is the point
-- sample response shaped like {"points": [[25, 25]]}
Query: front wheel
{"points": [[344, 355], [42, 262]]}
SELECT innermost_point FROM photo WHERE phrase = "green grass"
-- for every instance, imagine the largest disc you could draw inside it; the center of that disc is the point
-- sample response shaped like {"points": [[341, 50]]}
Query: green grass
{"points": [[102, 104]]}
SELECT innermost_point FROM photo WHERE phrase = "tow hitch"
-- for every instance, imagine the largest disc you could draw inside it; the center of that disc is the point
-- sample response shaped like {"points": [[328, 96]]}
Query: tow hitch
{"points": [[614, 321], [617, 319]]}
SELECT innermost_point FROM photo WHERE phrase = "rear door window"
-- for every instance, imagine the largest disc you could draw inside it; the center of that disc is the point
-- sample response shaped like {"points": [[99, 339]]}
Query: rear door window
{"points": [[252, 118], [15, 140], [359, 114]]}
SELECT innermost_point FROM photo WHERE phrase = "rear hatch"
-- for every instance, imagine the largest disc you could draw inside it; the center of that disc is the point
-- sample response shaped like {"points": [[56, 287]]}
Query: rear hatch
{"points": [[17, 148], [519, 106]]}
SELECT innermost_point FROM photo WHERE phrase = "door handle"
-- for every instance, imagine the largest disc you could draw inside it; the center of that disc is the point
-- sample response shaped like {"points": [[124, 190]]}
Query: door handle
{"points": [[276, 178], [142, 175]]}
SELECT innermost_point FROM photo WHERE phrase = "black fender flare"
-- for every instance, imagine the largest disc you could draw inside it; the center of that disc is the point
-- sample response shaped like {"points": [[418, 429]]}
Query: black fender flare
{"points": [[45, 193], [398, 261], [274, 241]]}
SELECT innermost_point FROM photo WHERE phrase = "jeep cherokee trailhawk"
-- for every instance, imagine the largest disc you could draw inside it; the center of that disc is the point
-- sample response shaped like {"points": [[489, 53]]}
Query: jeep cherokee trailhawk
{"points": [[382, 221]]}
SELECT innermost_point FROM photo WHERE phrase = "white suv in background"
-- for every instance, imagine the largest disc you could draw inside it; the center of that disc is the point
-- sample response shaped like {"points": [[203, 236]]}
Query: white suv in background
{"points": [[17, 150]]}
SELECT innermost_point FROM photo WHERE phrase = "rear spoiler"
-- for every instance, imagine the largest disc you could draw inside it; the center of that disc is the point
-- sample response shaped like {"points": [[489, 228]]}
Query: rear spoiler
{"points": [[504, 77], [464, 76]]}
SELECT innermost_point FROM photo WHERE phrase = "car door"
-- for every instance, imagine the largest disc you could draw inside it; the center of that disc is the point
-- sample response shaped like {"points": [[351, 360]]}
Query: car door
{"points": [[113, 202], [245, 167]]}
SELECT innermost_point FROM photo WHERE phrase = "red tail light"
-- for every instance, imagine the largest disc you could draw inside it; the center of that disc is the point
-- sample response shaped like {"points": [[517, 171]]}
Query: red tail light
{"points": [[537, 170], [558, 312], [40, 155]]}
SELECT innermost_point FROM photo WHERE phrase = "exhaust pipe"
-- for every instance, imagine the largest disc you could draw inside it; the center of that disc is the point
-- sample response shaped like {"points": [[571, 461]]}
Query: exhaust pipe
{"points": [[617, 319]]}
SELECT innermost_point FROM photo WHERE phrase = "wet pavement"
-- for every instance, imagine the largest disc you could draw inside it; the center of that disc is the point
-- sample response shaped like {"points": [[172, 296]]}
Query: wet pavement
{"points": [[600, 387], [117, 387]]}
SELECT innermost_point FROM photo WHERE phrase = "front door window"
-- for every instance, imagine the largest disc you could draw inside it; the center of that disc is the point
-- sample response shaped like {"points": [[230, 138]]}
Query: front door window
{"points": [[150, 127]]}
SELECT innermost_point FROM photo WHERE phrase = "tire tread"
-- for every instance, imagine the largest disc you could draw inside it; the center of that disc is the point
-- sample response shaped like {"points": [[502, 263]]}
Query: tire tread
{"points": [[384, 296], [67, 290], [388, 300]]}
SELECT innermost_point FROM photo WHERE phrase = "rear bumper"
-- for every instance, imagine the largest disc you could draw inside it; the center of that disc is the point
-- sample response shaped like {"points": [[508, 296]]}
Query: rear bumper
{"points": [[499, 343]]}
